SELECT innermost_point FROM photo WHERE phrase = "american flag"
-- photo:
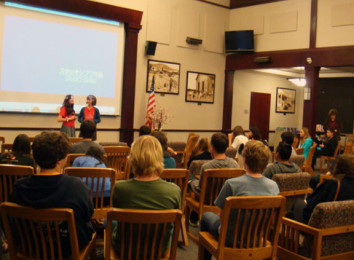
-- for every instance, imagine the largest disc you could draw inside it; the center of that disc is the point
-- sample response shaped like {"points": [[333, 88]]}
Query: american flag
{"points": [[151, 105]]}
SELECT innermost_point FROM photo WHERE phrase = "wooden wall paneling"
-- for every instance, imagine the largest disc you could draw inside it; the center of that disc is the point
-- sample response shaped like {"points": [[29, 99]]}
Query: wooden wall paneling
{"points": [[313, 28], [310, 107], [228, 93]]}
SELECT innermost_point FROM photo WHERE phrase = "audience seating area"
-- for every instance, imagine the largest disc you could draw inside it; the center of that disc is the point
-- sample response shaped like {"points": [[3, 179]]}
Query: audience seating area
{"points": [[328, 235]]}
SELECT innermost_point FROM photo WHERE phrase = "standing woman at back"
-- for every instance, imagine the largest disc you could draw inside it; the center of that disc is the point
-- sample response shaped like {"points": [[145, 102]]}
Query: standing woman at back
{"points": [[90, 112], [67, 116]]}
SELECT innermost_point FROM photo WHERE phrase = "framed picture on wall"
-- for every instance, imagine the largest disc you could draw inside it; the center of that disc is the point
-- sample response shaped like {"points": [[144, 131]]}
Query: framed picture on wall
{"points": [[164, 75], [200, 87], [285, 100]]}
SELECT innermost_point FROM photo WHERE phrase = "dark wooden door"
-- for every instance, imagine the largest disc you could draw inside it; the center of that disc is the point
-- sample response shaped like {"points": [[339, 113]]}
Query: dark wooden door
{"points": [[259, 112]]}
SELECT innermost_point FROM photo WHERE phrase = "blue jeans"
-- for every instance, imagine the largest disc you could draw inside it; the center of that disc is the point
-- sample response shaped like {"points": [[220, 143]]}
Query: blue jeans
{"points": [[210, 222]]}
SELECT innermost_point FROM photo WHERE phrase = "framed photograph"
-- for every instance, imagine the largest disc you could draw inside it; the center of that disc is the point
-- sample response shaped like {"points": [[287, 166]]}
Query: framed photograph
{"points": [[285, 102], [200, 87], [165, 75]]}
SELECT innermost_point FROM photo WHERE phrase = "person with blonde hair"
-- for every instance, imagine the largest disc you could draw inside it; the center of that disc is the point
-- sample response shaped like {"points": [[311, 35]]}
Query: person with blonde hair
{"points": [[146, 190], [256, 156], [201, 151], [305, 141]]}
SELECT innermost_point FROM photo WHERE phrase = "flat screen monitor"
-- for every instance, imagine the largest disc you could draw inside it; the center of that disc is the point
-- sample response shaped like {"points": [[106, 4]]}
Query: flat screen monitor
{"points": [[239, 41]]}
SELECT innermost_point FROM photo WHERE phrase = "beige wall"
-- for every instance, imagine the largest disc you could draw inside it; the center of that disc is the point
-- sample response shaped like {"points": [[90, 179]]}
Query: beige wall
{"points": [[277, 26], [248, 81]]}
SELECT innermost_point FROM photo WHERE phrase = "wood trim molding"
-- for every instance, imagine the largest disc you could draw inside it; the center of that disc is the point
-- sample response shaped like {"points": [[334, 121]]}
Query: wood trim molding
{"points": [[328, 57], [313, 26], [243, 3]]}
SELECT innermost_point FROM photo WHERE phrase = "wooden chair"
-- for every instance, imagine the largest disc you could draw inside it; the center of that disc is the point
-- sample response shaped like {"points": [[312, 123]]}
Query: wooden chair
{"points": [[39, 232], [230, 136], [71, 158], [329, 159], [254, 236], [136, 225], [95, 179], [307, 164], [6, 147], [74, 140], [180, 178], [299, 151], [293, 186], [191, 143], [212, 182], [117, 158], [9, 174], [328, 235]]}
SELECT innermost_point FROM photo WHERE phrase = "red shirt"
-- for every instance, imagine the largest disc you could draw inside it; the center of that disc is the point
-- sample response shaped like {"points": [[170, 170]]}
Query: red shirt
{"points": [[64, 115], [89, 113]]}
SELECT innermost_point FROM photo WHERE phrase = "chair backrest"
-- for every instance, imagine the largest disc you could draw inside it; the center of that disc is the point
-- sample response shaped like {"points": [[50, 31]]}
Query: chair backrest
{"points": [[180, 178], [332, 215], [117, 158], [298, 160], [293, 186], [6, 147], [254, 217], [74, 140], [195, 166], [42, 233], [95, 179], [9, 174], [230, 136], [135, 226], [71, 158], [212, 182], [191, 143], [308, 160], [299, 151]]}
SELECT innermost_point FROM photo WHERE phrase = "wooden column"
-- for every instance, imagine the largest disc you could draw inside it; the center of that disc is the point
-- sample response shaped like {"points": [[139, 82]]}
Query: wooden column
{"points": [[129, 75], [310, 107], [228, 93]]}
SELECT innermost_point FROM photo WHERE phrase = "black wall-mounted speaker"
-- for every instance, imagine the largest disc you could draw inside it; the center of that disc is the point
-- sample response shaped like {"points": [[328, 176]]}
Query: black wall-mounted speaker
{"points": [[150, 48]]}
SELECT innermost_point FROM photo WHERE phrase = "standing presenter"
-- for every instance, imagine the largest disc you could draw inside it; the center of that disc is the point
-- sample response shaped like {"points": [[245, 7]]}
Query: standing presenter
{"points": [[90, 112], [67, 116]]}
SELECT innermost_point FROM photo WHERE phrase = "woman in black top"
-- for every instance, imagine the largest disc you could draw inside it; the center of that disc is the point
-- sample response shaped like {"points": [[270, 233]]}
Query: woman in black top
{"points": [[327, 148]]}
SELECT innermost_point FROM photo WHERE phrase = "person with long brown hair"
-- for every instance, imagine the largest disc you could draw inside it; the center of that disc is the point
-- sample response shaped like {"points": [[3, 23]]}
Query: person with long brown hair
{"points": [[67, 116], [305, 141], [201, 151]]}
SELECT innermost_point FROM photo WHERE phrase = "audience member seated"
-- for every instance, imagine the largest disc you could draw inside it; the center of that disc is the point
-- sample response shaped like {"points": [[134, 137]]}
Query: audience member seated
{"points": [[94, 158], [168, 161], [20, 154], [282, 164], [219, 143], [327, 148], [340, 188], [87, 130], [305, 141], [144, 130], [239, 137], [288, 138], [201, 151], [146, 190], [51, 189], [256, 156]]}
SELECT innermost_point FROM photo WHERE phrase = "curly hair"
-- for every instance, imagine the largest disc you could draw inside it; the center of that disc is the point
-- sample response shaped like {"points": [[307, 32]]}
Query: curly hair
{"points": [[49, 148]]}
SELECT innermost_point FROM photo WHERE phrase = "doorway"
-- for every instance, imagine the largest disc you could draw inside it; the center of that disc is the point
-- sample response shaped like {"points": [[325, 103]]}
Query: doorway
{"points": [[259, 113]]}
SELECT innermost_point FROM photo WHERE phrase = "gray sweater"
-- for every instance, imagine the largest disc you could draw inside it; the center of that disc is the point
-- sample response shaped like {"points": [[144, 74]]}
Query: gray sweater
{"points": [[279, 167]]}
